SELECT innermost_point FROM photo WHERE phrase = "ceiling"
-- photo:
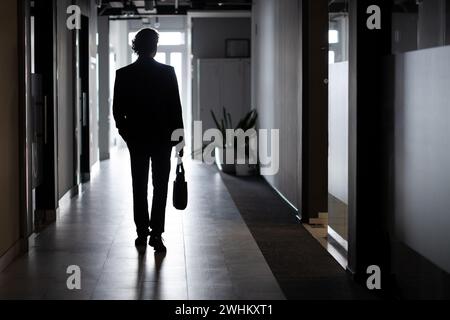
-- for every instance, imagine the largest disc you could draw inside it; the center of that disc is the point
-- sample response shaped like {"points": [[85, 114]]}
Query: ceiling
{"points": [[341, 6], [132, 8]]}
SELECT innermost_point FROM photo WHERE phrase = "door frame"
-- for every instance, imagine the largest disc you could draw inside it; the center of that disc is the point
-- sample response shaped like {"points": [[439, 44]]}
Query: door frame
{"points": [[46, 195], [314, 113], [368, 237], [83, 61]]}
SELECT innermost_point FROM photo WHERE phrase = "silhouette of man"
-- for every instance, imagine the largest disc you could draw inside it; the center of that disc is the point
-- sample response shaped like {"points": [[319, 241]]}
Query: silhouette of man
{"points": [[147, 110]]}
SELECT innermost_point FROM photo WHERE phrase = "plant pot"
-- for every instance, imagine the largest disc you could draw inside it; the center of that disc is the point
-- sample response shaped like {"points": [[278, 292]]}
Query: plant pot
{"points": [[219, 154], [244, 168]]}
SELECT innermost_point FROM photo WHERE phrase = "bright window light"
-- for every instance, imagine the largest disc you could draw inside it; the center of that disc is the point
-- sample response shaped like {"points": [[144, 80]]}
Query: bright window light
{"points": [[331, 57], [333, 36], [131, 36], [134, 57], [161, 57]]}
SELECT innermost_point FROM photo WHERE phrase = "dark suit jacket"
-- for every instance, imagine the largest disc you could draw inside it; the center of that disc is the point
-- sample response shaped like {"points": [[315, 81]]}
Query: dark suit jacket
{"points": [[147, 107]]}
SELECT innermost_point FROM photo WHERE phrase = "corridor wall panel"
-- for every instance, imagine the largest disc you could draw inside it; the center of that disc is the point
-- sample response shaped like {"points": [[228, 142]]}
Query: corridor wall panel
{"points": [[420, 155], [9, 106], [65, 98], [276, 89]]}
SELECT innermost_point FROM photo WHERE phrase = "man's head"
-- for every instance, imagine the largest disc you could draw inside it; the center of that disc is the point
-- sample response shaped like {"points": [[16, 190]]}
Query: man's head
{"points": [[145, 43]]}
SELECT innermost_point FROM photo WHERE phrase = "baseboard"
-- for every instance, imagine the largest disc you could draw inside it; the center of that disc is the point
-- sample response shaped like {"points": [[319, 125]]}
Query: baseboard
{"points": [[65, 200], [298, 215], [10, 254], [45, 217]]}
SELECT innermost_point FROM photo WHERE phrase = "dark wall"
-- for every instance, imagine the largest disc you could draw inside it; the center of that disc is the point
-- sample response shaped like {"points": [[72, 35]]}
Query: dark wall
{"points": [[9, 117], [368, 242], [209, 35]]}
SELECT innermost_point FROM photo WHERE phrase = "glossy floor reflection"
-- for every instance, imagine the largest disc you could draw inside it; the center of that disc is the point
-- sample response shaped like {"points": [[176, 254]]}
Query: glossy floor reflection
{"points": [[211, 253]]}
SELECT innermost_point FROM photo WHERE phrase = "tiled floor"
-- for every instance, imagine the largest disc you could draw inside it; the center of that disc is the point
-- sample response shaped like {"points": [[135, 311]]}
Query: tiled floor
{"points": [[211, 253]]}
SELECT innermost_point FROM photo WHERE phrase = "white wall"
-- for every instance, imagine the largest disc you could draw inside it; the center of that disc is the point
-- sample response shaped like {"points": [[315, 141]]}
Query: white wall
{"points": [[118, 33], [421, 152], [277, 85], [9, 170]]}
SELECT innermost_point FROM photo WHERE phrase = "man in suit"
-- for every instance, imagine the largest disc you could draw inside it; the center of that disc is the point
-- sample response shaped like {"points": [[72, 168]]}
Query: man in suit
{"points": [[147, 110]]}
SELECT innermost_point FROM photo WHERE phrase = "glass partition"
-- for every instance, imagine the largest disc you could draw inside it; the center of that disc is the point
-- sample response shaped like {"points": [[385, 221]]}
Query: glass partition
{"points": [[338, 125], [420, 24]]}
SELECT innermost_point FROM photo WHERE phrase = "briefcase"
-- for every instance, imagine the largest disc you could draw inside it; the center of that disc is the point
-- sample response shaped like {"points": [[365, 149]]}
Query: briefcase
{"points": [[180, 192]]}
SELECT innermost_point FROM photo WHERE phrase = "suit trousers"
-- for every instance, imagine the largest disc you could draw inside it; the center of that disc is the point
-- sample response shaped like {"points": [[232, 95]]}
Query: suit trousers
{"points": [[140, 157]]}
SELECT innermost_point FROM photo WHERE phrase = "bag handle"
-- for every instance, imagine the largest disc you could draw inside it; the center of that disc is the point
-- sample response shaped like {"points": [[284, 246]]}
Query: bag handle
{"points": [[180, 168], [180, 172]]}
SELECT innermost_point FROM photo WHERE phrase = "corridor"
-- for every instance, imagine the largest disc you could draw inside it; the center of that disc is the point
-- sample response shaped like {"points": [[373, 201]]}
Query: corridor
{"points": [[211, 252], [316, 146]]}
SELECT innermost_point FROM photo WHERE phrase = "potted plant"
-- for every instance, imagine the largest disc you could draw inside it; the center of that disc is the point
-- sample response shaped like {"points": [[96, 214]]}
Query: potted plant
{"points": [[246, 123]]}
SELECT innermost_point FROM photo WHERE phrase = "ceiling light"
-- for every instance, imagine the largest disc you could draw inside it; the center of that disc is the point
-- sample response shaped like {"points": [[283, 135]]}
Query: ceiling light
{"points": [[116, 4]]}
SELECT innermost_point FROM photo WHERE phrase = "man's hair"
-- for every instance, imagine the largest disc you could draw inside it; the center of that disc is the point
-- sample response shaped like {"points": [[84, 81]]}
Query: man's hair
{"points": [[145, 42]]}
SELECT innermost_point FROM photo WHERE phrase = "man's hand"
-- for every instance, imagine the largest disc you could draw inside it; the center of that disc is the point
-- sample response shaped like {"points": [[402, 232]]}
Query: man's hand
{"points": [[181, 153]]}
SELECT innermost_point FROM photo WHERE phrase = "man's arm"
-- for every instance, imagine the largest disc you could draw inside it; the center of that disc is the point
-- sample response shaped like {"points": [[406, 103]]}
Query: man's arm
{"points": [[176, 112], [176, 109], [118, 106]]}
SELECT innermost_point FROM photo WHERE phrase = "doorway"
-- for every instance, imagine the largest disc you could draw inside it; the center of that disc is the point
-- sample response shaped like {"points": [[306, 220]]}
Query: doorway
{"points": [[43, 112], [338, 130], [82, 113]]}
